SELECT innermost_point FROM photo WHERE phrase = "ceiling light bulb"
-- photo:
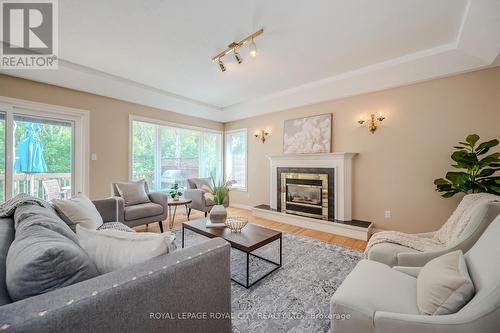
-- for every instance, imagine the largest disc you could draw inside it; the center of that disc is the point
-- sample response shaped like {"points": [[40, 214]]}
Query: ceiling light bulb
{"points": [[238, 57], [221, 65], [253, 49]]}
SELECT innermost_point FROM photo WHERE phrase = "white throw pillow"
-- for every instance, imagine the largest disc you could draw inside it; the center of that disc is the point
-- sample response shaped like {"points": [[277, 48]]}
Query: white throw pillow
{"points": [[113, 249], [444, 285], [78, 210]]}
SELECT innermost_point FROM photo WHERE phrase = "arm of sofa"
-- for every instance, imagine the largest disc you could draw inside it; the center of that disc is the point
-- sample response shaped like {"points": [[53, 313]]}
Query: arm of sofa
{"points": [[187, 290], [198, 197], [111, 209]]}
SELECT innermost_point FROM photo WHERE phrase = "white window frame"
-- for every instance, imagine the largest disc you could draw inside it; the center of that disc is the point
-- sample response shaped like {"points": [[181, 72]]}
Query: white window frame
{"points": [[159, 122], [241, 188], [79, 118]]}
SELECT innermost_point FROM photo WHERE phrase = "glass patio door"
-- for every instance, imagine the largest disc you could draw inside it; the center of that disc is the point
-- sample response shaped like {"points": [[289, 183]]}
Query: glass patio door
{"points": [[42, 156]]}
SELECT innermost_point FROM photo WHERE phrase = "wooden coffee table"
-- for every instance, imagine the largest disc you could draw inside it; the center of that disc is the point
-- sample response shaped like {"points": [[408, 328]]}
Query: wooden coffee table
{"points": [[251, 238]]}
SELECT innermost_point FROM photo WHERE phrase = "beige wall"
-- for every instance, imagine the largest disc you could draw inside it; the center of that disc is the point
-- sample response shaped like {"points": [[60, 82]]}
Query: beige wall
{"points": [[396, 166], [109, 125]]}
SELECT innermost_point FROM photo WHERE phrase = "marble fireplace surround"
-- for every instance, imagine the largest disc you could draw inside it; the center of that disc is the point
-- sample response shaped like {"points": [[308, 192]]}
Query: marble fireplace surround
{"points": [[343, 224], [341, 162]]}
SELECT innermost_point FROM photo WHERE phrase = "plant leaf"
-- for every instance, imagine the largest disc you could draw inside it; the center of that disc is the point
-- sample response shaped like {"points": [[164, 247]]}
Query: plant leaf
{"points": [[486, 172], [472, 139], [441, 181]]}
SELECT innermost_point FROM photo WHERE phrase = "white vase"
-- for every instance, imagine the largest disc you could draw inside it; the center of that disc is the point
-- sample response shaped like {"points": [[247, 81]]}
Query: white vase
{"points": [[218, 214]]}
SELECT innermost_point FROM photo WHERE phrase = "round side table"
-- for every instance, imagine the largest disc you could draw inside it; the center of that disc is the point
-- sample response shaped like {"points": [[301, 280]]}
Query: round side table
{"points": [[171, 212]]}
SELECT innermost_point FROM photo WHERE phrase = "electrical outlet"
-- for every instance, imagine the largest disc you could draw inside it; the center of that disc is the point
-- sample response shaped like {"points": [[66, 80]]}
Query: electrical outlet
{"points": [[388, 214], [93, 157]]}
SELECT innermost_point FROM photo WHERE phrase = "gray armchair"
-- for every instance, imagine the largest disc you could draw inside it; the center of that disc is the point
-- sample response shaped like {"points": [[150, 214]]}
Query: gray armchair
{"points": [[144, 213], [201, 202], [379, 298]]}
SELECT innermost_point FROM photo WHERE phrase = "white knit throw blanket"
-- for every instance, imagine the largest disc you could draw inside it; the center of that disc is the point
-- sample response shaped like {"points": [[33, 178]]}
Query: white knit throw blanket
{"points": [[445, 236]]}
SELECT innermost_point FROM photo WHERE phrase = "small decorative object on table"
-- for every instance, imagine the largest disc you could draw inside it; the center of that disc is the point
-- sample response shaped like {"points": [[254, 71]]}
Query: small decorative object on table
{"points": [[175, 193], [236, 223], [218, 213]]}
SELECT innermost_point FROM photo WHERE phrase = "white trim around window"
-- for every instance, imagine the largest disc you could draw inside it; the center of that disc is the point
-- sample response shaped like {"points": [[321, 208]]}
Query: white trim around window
{"points": [[238, 187], [81, 143]]}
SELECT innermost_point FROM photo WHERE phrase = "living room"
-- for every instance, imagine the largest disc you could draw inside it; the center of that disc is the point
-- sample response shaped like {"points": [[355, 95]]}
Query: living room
{"points": [[279, 166]]}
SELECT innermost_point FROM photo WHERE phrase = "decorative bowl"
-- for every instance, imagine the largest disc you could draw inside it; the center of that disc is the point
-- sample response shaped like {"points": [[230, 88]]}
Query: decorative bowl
{"points": [[236, 223]]}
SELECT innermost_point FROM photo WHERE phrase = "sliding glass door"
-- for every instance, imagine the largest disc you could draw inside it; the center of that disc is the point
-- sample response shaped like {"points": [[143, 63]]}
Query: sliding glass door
{"points": [[167, 154], [43, 157], [43, 150]]}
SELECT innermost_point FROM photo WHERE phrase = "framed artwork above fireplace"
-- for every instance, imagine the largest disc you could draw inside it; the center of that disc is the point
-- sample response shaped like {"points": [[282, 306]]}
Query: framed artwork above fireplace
{"points": [[308, 135]]}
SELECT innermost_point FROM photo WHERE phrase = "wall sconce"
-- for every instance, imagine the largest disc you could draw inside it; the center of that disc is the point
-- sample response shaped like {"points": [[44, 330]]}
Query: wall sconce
{"points": [[261, 134], [372, 125]]}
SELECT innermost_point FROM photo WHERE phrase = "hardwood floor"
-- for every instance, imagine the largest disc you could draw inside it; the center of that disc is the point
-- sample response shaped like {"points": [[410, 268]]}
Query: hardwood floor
{"points": [[323, 236]]}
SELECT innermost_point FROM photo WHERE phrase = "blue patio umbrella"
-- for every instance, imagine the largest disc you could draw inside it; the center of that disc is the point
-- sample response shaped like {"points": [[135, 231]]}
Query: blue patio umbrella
{"points": [[29, 152]]}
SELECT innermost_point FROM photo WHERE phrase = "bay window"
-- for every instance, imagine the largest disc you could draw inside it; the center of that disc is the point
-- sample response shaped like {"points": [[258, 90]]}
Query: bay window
{"points": [[165, 154], [236, 157]]}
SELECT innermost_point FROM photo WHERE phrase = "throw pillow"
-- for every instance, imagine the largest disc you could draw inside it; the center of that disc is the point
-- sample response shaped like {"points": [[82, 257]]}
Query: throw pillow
{"points": [[113, 249], [40, 260], [133, 193], [444, 285], [201, 182], [78, 210]]}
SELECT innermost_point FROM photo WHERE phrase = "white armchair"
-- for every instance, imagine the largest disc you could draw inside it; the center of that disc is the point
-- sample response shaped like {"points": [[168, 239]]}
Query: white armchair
{"points": [[398, 255], [378, 298]]}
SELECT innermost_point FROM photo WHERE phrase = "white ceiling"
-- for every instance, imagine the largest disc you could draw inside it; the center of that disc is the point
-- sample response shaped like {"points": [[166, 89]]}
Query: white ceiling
{"points": [[158, 53]]}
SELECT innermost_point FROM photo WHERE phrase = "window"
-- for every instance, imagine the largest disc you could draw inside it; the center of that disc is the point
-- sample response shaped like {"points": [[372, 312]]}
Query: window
{"points": [[165, 154], [42, 150], [236, 157]]}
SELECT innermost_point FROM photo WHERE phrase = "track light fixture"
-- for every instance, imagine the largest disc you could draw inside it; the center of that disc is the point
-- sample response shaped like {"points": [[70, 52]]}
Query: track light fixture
{"points": [[222, 66], [253, 49], [234, 46], [238, 57]]}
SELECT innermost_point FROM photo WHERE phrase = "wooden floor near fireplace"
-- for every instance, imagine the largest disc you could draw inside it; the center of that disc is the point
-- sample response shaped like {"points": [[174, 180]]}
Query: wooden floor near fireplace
{"points": [[323, 236]]}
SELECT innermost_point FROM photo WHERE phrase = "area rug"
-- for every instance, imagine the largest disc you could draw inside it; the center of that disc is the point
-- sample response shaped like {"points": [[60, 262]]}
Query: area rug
{"points": [[296, 297]]}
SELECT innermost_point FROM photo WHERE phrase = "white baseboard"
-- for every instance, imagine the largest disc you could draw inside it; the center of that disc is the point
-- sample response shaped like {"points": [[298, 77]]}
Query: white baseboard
{"points": [[237, 205], [315, 224]]}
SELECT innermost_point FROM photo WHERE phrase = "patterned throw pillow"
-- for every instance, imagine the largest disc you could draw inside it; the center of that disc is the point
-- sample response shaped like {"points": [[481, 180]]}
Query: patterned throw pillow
{"points": [[115, 226]]}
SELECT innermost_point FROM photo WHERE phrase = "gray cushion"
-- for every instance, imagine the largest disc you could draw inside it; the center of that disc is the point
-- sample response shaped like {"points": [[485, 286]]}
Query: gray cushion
{"points": [[444, 285], [44, 255], [6, 239], [133, 193], [143, 210], [27, 215], [78, 210]]}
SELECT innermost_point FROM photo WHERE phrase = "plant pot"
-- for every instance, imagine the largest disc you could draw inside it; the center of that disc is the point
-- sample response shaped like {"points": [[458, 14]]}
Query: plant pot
{"points": [[218, 214], [176, 198]]}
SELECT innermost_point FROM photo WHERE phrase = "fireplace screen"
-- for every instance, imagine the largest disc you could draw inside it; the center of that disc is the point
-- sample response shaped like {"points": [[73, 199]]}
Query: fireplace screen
{"points": [[305, 194]]}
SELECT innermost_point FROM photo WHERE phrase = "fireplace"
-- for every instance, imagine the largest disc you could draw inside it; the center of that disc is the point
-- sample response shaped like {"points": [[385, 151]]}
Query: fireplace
{"points": [[306, 192]]}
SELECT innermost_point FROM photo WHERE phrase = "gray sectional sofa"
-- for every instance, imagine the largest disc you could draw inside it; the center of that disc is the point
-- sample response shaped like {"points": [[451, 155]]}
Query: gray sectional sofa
{"points": [[187, 290]]}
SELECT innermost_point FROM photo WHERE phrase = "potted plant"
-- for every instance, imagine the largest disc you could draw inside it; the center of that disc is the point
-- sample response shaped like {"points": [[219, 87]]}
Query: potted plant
{"points": [[175, 192], [220, 191], [477, 171]]}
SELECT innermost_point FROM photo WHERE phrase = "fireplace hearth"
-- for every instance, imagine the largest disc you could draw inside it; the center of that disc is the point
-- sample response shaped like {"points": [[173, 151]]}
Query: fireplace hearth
{"points": [[306, 192]]}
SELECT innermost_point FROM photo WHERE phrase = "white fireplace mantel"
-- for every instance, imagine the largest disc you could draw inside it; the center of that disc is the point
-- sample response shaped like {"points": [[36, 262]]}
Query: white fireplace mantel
{"points": [[341, 162]]}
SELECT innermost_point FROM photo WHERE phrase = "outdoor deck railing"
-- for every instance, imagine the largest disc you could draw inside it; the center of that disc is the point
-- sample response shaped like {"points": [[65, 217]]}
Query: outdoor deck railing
{"points": [[22, 183]]}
